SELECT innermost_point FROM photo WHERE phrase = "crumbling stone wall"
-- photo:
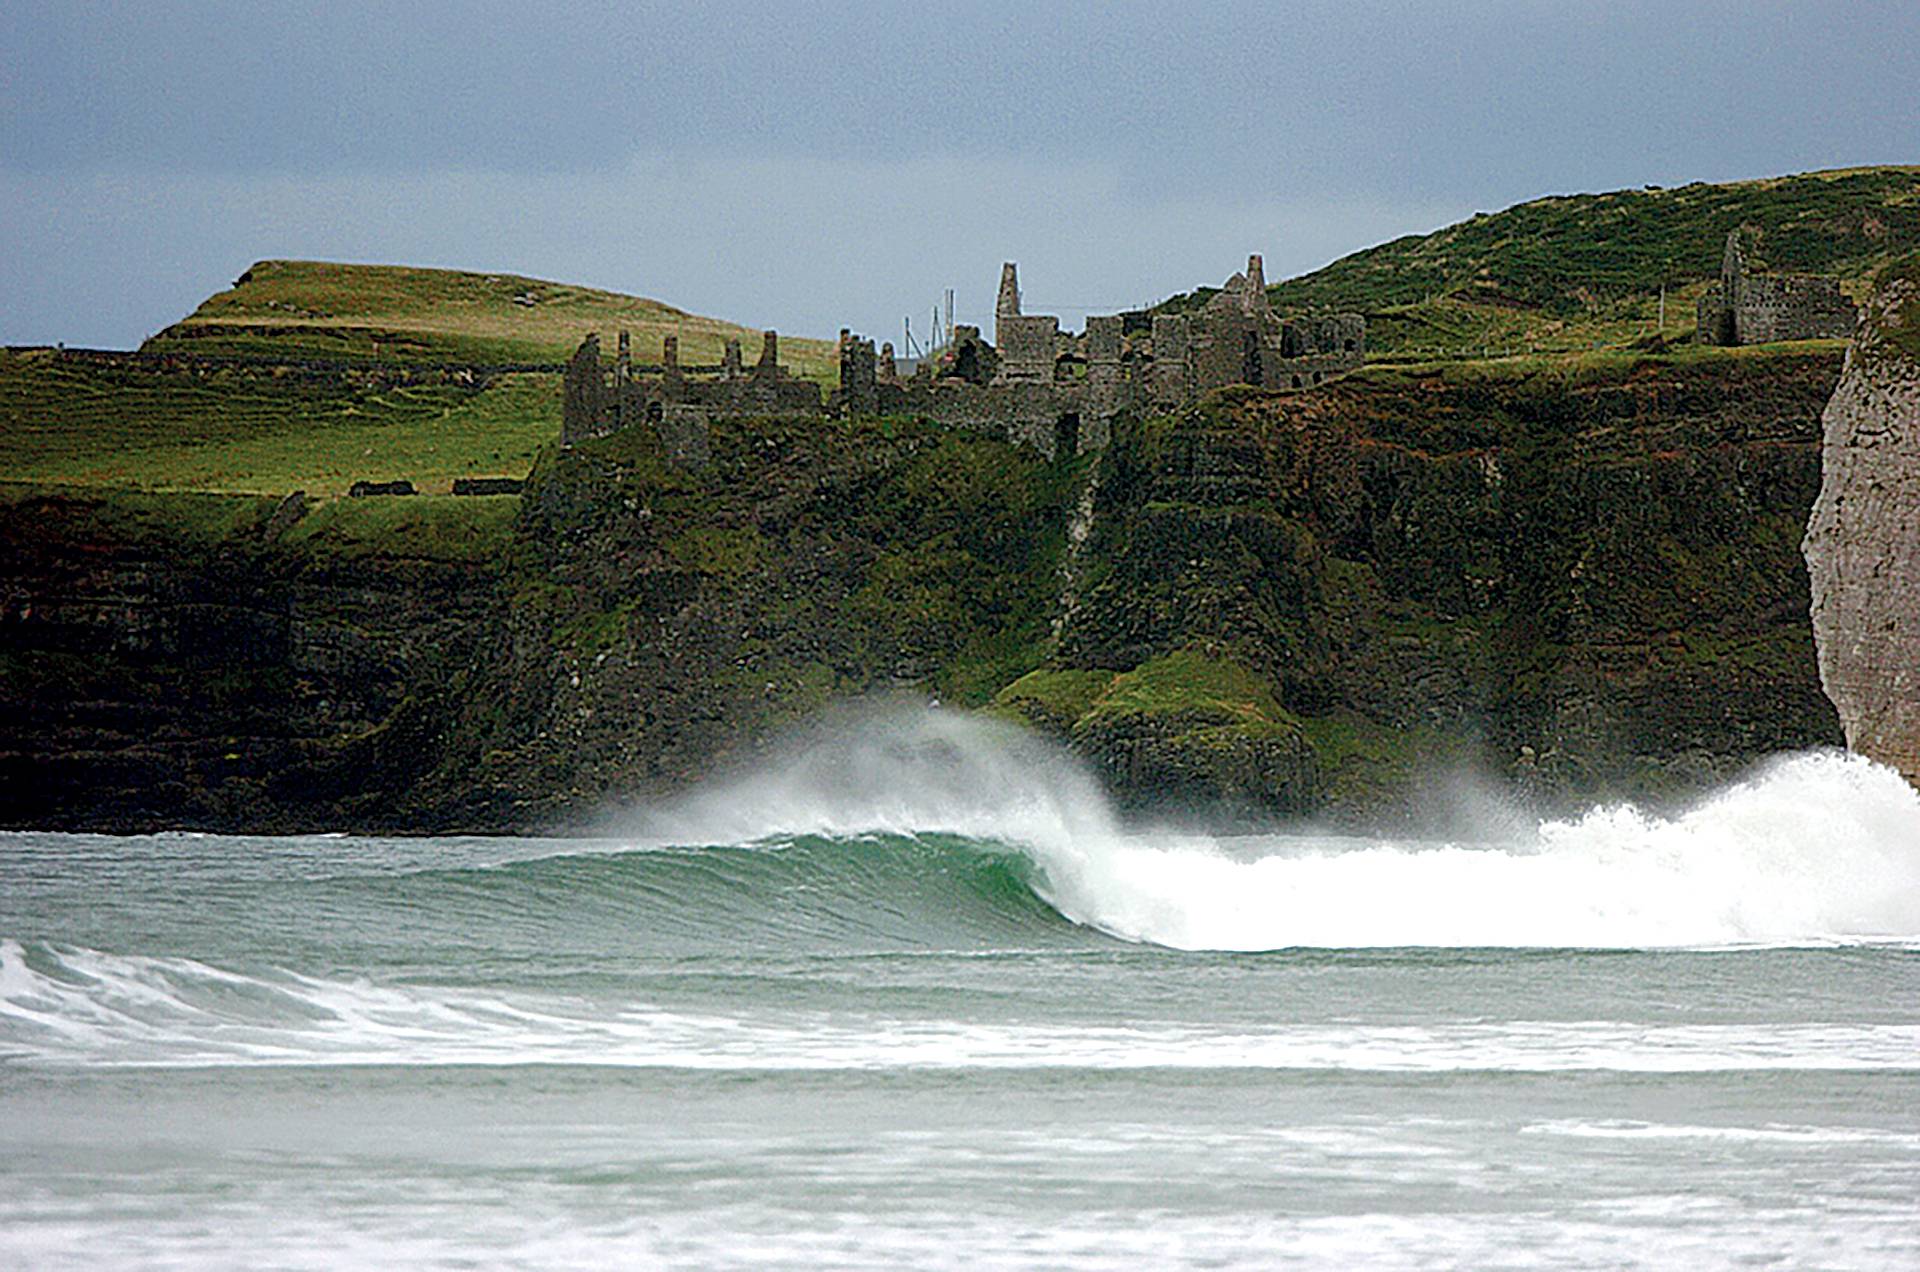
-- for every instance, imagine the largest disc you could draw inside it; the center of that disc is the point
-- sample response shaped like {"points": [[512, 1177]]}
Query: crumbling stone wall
{"points": [[489, 485], [969, 358], [1054, 419], [1236, 338], [594, 407], [1029, 344], [859, 374], [1169, 380], [685, 436], [1324, 334], [373, 489], [583, 395], [1108, 392], [1748, 307], [1788, 307], [1056, 393]]}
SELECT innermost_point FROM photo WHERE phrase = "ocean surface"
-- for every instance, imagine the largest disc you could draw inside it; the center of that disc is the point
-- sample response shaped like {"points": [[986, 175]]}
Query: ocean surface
{"points": [[914, 997]]}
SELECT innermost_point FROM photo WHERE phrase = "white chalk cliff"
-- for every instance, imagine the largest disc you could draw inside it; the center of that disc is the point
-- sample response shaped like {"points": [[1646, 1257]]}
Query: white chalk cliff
{"points": [[1863, 540]]}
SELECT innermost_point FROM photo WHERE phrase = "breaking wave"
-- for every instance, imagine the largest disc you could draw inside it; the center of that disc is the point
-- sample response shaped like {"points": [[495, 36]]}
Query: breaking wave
{"points": [[906, 835], [1815, 848], [937, 831]]}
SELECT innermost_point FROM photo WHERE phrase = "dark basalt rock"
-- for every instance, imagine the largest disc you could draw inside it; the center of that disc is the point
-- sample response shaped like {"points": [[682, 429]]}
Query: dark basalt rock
{"points": [[1584, 584]]}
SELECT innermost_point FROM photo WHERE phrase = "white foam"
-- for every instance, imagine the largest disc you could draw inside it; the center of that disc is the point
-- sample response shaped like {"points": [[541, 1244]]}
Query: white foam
{"points": [[1770, 1133], [537, 1233], [1815, 849], [92, 1008]]}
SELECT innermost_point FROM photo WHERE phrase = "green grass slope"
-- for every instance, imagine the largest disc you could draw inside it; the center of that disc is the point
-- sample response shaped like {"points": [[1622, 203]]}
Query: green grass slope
{"points": [[1586, 270], [97, 422], [317, 309], [1902, 329], [80, 420]]}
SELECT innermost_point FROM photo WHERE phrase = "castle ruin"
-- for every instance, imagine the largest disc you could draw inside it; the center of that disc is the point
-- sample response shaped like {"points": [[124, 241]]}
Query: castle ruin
{"points": [[594, 404], [1749, 307], [1055, 391]]}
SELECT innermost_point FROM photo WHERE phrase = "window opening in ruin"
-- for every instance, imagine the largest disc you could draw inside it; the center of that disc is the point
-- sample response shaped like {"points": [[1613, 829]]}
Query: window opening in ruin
{"points": [[1349, 344], [1066, 436], [1250, 358], [655, 412]]}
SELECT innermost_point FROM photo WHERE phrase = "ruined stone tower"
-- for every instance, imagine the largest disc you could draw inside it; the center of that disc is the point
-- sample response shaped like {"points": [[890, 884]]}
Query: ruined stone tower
{"points": [[1028, 343], [1256, 289], [1008, 305]]}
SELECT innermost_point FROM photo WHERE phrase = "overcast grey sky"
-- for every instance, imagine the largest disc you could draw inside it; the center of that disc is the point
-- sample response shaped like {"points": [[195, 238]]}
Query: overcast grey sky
{"points": [[809, 166]]}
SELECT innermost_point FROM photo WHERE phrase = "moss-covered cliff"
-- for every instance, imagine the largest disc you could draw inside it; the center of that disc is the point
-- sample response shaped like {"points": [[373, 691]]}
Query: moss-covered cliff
{"points": [[1578, 577], [661, 620], [1581, 578]]}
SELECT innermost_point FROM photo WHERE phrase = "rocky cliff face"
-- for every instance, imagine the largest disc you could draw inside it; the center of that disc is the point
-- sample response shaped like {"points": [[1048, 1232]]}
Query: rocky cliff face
{"points": [[1581, 584], [665, 620], [1863, 541], [181, 660]]}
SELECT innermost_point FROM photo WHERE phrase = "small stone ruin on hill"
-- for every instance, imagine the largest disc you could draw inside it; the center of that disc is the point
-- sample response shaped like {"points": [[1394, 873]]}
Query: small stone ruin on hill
{"points": [[1751, 307]]}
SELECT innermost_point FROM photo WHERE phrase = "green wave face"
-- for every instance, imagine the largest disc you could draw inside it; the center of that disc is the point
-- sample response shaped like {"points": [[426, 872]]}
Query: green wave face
{"points": [[931, 833], [804, 894], [927, 893], [606, 907]]}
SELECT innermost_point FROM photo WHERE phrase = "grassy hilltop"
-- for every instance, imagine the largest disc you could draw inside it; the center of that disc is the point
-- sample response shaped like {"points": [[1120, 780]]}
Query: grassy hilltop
{"points": [[1573, 272], [1559, 277], [257, 430], [398, 313], [266, 430]]}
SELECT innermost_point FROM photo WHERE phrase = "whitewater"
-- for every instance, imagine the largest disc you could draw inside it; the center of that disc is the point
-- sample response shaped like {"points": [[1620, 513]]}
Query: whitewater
{"points": [[912, 992]]}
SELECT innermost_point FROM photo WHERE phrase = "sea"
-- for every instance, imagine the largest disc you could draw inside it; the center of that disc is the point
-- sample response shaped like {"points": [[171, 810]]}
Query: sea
{"points": [[913, 995]]}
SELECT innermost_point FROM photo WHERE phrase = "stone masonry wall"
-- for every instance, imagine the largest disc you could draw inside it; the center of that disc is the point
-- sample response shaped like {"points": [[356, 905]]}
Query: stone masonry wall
{"points": [[1792, 307], [1170, 383], [583, 399], [1028, 345], [1746, 308], [1057, 394]]}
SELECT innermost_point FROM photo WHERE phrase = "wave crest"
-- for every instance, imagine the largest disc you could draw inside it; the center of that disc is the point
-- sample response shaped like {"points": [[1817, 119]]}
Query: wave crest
{"points": [[1815, 848]]}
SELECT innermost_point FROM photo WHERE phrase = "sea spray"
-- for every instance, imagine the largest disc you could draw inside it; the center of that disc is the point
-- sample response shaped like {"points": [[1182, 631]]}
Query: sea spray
{"points": [[1813, 848], [923, 858], [1817, 848], [896, 771]]}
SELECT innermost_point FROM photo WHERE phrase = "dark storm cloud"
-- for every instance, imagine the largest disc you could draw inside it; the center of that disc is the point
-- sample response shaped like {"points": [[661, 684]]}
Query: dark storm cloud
{"points": [[1353, 97], [149, 151]]}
